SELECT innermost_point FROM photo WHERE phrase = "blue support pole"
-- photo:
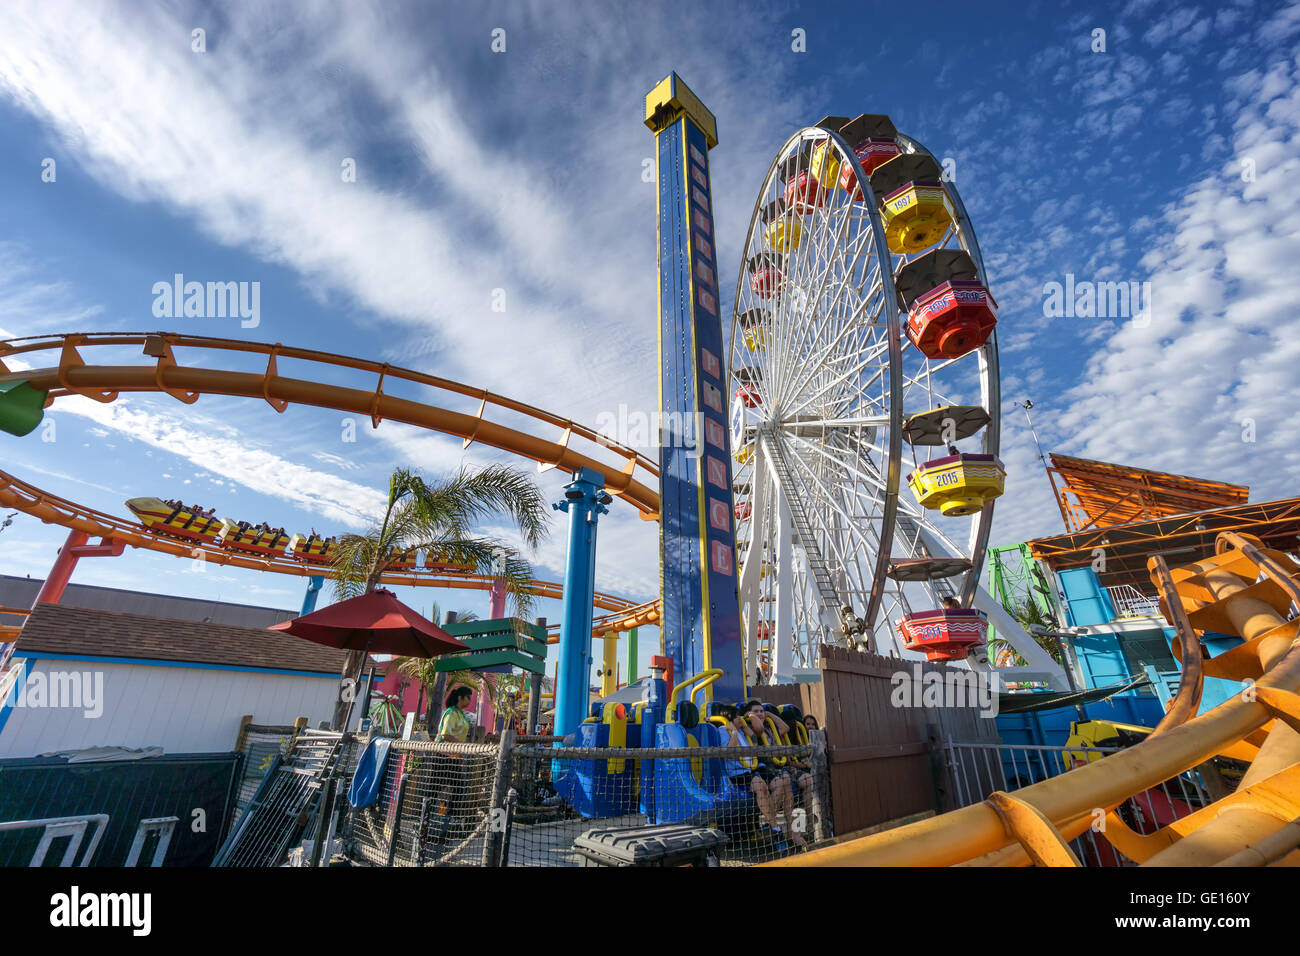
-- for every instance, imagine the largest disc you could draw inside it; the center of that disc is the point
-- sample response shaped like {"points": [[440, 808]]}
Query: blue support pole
{"points": [[313, 590], [584, 500]]}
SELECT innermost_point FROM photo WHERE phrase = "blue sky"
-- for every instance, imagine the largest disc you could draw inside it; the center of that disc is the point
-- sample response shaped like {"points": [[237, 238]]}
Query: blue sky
{"points": [[1173, 157]]}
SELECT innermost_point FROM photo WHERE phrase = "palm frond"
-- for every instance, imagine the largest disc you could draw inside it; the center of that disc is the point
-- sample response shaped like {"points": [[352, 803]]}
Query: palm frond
{"points": [[440, 518], [470, 496]]}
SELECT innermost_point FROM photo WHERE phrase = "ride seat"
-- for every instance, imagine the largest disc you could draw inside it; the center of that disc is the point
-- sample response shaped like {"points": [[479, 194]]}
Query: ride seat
{"points": [[687, 714]]}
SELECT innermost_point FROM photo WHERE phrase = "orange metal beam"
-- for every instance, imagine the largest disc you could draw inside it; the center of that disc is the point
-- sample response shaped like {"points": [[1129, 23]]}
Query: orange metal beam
{"points": [[628, 474]]}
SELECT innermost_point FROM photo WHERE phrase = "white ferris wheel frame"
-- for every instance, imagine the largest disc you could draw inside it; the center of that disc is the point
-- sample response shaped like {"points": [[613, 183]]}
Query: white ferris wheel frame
{"points": [[790, 615]]}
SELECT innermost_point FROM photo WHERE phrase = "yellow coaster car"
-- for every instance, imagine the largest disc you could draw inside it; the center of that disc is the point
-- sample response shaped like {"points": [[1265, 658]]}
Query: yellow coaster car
{"points": [[172, 517]]}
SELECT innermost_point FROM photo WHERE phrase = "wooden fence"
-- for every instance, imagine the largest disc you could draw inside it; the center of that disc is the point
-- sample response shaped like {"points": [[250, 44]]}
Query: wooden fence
{"points": [[885, 747]]}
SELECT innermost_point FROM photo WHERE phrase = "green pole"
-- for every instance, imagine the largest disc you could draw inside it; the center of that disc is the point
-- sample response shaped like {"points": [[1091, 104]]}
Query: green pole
{"points": [[631, 655]]}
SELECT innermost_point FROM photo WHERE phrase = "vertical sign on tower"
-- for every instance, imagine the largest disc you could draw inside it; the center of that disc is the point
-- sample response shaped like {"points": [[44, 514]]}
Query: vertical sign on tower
{"points": [[697, 546]]}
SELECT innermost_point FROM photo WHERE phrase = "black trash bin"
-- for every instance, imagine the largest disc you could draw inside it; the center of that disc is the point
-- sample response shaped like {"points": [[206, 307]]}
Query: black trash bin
{"points": [[668, 845]]}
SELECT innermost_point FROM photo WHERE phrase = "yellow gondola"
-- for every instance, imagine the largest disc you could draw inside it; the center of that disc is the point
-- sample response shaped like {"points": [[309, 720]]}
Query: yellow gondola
{"points": [[959, 484], [916, 217], [784, 234]]}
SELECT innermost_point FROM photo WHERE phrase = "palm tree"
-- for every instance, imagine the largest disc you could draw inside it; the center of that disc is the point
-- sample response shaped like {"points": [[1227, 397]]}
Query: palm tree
{"points": [[440, 517], [510, 696], [1028, 614]]}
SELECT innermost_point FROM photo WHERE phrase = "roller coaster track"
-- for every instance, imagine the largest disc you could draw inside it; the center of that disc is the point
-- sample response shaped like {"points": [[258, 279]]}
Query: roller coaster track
{"points": [[1244, 590], [628, 474], [51, 509]]}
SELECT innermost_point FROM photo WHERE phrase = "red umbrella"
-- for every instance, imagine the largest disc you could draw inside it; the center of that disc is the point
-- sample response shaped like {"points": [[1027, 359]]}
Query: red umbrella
{"points": [[375, 622]]}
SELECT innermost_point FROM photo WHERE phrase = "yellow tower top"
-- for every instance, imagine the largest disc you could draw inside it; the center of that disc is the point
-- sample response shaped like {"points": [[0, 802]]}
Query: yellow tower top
{"points": [[672, 97]]}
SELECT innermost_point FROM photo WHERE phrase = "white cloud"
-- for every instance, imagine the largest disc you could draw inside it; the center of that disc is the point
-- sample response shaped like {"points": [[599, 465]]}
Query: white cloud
{"points": [[221, 450], [29, 304], [1221, 351]]}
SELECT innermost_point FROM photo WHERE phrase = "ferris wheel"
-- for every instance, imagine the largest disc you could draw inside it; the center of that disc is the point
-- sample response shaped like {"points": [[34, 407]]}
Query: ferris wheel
{"points": [[862, 358]]}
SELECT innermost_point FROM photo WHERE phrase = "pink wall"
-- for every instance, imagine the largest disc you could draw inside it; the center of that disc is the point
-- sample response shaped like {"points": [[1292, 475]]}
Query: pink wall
{"points": [[390, 684]]}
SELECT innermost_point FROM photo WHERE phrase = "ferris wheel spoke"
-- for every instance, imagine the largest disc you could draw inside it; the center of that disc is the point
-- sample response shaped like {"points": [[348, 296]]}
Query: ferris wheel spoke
{"points": [[806, 268], [822, 491], [840, 379], [830, 454], [813, 364], [807, 337], [879, 421], [867, 475], [931, 370]]}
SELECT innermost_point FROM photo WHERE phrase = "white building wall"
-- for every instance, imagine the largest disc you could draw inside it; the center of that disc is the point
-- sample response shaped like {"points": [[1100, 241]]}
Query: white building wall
{"points": [[181, 709]]}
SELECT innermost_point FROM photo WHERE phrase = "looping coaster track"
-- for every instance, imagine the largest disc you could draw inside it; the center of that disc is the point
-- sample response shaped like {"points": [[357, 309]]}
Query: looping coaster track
{"points": [[1245, 590]]}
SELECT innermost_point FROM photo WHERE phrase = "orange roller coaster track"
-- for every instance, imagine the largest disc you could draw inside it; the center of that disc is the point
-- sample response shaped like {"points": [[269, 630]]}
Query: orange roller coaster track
{"points": [[1246, 590], [51, 509], [628, 474]]}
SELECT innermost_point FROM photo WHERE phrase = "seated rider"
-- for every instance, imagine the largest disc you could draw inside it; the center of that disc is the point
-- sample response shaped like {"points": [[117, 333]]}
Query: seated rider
{"points": [[795, 768], [770, 785]]}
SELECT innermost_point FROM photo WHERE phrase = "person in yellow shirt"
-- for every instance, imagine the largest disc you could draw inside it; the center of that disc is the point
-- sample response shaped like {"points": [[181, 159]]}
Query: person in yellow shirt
{"points": [[454, 725]]}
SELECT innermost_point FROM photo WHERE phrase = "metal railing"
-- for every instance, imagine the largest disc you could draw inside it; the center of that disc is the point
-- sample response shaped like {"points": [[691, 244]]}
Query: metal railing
{"points": [[294, 800], [55, 828], [1128, 601], [976, 770], [261, 745]]}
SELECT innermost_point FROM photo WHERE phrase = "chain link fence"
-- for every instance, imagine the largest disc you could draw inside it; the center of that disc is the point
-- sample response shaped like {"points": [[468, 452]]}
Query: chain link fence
{"points": [[524, 801], [435, 808], [768, 802], [260, 745]]}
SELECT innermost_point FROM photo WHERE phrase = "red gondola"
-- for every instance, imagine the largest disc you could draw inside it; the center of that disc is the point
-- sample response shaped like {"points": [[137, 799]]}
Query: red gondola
{"points": [[952, 319], [947, 634]]}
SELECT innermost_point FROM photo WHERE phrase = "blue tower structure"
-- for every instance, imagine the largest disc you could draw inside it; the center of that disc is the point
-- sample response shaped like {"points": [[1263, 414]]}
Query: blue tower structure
{"points": [[701, 614], [314, 583]]}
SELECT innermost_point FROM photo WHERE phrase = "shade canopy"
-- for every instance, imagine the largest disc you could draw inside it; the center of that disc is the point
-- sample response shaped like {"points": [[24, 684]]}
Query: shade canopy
{"points": [[377, 623]]}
